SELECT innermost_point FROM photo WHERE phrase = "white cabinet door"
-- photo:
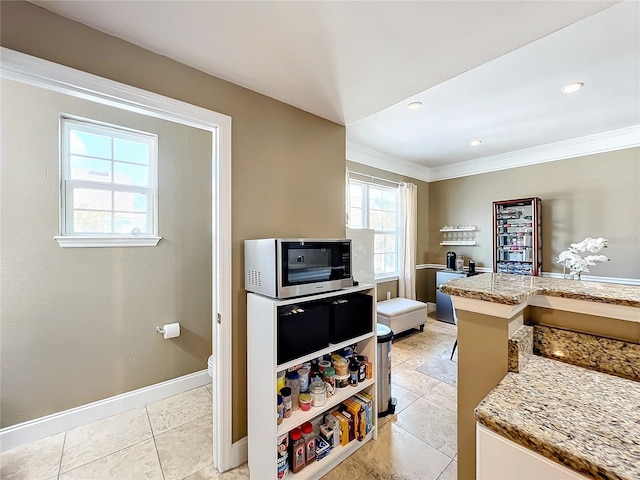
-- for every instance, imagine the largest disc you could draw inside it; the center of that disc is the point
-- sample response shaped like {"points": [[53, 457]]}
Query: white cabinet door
{"points": [[500, 459]]}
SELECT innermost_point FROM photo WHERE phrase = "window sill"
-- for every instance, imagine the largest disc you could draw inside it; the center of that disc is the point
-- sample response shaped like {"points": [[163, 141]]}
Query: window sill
{"points": [[94, 242], [387, 278]]}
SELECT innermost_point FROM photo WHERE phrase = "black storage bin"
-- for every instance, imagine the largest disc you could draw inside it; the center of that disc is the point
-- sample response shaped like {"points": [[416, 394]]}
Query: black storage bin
{"points": [[302, 329], [350, 317]]}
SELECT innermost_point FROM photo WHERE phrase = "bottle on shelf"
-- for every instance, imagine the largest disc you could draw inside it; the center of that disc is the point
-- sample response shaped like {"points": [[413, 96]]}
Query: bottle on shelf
{"points": [[309, 442], [292, 380], [285, 392], [298, 455]]}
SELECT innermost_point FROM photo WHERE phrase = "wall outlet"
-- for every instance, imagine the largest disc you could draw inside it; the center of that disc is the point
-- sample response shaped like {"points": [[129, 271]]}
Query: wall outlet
{"points": [[388, 295]]}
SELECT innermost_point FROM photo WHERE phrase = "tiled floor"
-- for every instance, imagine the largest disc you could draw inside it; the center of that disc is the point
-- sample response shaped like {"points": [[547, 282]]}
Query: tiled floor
{"points": [[172, 439]]}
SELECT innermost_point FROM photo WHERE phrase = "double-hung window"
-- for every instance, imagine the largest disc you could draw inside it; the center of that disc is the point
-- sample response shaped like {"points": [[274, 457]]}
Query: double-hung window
{"points": [[376, 207], [109, 185]]}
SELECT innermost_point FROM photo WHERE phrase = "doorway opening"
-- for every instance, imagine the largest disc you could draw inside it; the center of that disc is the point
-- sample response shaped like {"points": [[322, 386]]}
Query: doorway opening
{"points": [[35, 72]]}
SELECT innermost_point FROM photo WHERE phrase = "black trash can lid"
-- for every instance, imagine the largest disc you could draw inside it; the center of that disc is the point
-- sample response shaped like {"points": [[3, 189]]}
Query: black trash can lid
{"points": [[384, 333]]}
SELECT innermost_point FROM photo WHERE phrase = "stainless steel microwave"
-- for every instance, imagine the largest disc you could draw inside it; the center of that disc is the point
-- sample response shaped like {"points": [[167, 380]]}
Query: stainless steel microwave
{"points": [[292, 267]]}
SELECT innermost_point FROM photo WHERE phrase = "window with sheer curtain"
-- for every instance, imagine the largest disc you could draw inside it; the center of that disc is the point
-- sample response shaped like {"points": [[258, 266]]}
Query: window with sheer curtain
{"points": [[109, 181], [376, 207]]}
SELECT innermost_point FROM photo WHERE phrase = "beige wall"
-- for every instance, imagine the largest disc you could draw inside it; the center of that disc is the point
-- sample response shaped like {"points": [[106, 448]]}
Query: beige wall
{"points": [[596, 196], [78, 324], [275, 147]]}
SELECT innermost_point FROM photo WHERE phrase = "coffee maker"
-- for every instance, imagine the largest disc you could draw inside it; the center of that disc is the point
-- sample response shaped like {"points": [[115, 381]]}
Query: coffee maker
{"points": [[451, 260]]}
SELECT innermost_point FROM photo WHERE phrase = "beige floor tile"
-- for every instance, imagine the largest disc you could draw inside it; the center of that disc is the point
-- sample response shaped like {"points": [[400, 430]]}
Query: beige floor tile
{"points": [[451, 472], [444, 395], [99, 439], [403, 397], [425, 356], [132, 463], [398, 455], [210, 473], [401, 354], [179, 409], [412, 380], [432, 424], [349, 469], [209, 387], [186, 449], [37, 460]]}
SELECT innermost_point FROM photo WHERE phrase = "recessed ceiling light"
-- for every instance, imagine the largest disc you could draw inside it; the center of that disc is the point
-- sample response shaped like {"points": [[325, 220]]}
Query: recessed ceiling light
{"points": [[475, 143], [415, 105], [572, 87]]}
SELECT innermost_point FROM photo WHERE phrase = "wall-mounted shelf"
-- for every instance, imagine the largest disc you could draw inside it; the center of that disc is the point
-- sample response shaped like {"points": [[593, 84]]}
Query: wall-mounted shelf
{"points": [[465, 228], [458, 235]]}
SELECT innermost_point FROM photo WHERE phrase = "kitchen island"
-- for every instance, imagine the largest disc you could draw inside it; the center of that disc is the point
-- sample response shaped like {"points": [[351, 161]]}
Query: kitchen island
{"points": [[491, 307]]}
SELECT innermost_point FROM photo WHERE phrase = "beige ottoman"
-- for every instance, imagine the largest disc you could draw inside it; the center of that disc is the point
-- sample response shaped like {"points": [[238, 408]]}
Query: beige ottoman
{"points": [[402, 314]]}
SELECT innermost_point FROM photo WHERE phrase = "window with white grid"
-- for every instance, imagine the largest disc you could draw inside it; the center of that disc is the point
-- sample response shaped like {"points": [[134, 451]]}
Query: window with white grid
{"points": [[109, 181], [376, 207]]}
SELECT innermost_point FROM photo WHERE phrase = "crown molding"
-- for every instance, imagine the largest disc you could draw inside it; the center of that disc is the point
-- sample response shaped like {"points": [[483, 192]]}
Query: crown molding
{"points": [[576, 147], [620, 139], [373, 158]]}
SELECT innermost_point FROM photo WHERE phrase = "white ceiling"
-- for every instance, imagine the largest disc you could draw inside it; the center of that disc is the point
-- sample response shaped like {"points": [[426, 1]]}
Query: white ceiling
{"points": [[483, 69]]}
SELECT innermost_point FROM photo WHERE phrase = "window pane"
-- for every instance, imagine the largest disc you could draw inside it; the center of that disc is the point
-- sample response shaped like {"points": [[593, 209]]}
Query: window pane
{"points": [[390, 243], [130, 202], [389, 200], [390, 263], [355, 195], [84, 143], [375, 198], [378, 243], [90, 199], [131, 151], [127, 222], [378, 264], [375, 220], [90, 169], [91, 222], [389, 221], [355, 218], [126, 174]]}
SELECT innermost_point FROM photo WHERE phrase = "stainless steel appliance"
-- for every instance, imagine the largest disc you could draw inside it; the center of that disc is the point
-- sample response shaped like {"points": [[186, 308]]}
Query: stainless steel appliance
{"points": [[444, 307], [291, 267], [386, 403], [451, 260]]}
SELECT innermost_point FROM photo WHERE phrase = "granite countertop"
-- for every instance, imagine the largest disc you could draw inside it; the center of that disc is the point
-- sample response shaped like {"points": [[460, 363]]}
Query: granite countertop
{"points": [[511, 289], [588, 421]]}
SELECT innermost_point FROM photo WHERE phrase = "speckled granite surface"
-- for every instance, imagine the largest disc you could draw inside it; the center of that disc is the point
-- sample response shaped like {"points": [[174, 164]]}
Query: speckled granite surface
{"points": [[588, 421], [515, 289], [520, 348], [614, 357]]}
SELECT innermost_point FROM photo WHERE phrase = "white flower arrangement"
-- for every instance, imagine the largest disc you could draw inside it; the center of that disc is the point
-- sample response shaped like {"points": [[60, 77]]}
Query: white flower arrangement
{"points": [[576, 264]]}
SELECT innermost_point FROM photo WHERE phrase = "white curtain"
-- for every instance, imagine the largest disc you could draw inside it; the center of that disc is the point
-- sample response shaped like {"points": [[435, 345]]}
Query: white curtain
{"points": [[408, 196], [347, 197]]}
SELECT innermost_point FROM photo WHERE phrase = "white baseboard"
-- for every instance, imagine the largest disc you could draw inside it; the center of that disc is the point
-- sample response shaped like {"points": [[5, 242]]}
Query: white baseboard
{"points": [[239, 452], [431, 307], [62, 421]]}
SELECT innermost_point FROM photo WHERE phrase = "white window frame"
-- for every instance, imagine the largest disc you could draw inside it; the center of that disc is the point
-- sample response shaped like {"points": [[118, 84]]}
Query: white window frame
{"points": [[365, 224], [68, 237]]}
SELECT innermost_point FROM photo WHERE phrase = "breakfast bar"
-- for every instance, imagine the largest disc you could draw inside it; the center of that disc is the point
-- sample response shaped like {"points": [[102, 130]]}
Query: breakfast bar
{"points": [[593, 325]]}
